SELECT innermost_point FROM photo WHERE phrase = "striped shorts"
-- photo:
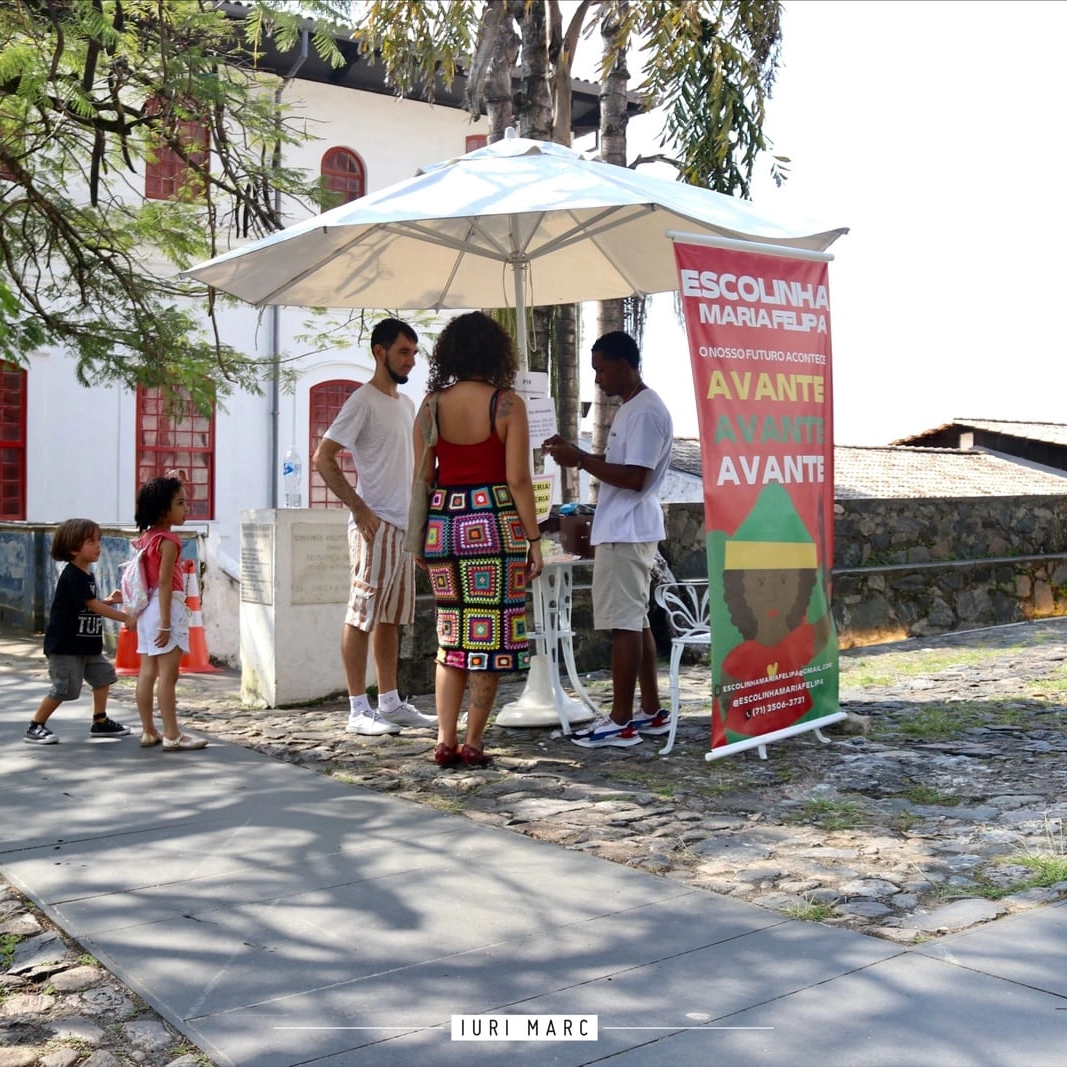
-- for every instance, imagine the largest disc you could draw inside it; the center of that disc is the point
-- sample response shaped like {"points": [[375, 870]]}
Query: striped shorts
{"points": [[383, 579]]}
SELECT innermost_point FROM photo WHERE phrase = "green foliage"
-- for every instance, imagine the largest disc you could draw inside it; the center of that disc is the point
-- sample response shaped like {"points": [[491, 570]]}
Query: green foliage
{"points": [[89, 91], [711, 66], [419, 43]]}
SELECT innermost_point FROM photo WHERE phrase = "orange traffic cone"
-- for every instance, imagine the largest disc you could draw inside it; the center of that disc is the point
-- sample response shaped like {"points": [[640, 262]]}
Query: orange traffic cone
{"points": [[195, 661], [127, 661]]}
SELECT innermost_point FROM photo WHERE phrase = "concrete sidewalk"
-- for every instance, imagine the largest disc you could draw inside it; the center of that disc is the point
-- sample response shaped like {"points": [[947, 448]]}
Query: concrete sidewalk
{"points": [[278, 917]]}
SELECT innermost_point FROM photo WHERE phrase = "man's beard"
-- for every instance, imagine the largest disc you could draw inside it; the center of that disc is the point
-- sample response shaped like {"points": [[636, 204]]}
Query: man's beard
{"points": [[400, 379]]}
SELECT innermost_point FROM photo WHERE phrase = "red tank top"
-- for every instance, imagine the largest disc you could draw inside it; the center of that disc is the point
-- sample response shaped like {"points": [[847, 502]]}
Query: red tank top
{"points": [[483, 463]]}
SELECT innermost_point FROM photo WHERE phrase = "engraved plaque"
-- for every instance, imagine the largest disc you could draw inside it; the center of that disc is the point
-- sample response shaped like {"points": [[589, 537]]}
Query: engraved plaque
{"points": [[321, 573], [257, 562]]}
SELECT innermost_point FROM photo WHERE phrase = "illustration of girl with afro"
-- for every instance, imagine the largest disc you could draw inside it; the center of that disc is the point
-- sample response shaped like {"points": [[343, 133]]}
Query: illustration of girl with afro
{"points": [[772, 590]]}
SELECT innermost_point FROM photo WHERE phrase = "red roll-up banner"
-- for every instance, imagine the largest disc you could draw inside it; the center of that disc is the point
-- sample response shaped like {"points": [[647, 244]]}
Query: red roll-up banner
{"points": [[759, 338]]}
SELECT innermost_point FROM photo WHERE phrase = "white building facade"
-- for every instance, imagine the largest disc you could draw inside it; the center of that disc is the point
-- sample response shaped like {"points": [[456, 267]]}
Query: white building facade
{"points": [[80, 445]]}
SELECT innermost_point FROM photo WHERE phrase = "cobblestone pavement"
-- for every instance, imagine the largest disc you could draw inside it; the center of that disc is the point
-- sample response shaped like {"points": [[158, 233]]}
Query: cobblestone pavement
{"points": [[938, 805]]}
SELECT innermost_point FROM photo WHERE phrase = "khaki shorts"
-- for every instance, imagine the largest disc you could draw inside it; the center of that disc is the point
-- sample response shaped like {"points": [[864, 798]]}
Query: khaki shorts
{"points": [[383, 579], [622, 578], [68, 672]]}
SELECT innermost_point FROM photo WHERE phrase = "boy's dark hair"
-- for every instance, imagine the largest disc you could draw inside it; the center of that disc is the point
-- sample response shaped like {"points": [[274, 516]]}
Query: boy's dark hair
{"points": [[618, 345], [388, 330], [70, 536], [473, 346], [154, 500]]}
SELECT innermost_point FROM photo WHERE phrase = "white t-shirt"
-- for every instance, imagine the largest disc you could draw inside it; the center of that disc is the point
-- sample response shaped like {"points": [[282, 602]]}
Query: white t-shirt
{"points": [[376, 429], [641, 436]]}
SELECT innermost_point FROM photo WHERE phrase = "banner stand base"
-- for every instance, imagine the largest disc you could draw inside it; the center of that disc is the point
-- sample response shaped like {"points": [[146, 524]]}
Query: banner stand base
{"points": [[764, 740]]}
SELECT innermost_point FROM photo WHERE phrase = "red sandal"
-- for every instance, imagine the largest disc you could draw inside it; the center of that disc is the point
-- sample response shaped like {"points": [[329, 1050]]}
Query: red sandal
{"points": [[446, 755], [474, 757]]}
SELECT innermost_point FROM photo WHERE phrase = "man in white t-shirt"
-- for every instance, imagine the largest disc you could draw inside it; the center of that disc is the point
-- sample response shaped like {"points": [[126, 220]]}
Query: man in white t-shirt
{"points": [[375, 426], [627, 529]]}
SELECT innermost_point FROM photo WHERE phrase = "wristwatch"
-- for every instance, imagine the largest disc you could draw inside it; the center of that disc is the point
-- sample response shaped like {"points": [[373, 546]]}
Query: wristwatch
{"points": [[581, 460]]}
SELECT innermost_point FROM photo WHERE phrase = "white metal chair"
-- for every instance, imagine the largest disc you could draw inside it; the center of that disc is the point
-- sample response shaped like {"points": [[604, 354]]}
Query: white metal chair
{"points": [[686, 605]]}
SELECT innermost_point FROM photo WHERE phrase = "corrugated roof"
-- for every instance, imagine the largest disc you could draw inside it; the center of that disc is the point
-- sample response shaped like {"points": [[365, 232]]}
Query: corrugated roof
{"points": [[1053, 433], [894, 472]]}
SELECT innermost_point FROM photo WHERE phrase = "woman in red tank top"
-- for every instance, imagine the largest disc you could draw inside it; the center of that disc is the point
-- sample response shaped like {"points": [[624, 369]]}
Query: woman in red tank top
{"points": [[482, 541]]}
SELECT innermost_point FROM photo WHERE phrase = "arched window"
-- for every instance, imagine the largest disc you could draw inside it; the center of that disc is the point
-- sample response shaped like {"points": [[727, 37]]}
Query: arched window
{"points": [[325, 400], [343, 176], [167, 175], [173, 436], [12, 441]]}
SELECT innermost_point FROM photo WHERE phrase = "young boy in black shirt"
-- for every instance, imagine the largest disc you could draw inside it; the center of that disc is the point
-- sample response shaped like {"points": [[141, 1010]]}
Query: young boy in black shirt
{"points": [[73, 641]]}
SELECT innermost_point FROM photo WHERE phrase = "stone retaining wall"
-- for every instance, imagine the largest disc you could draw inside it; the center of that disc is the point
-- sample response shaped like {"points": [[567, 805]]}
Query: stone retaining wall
{"points": [[910, 568], [901, 568]]}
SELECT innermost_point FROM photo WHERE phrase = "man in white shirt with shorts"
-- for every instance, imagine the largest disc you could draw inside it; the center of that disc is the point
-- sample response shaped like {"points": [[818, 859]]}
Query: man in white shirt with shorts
{"points": [[375, 426], [627, 528]]}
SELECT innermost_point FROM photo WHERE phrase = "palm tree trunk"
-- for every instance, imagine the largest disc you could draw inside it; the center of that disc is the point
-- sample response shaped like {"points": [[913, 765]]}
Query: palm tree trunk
{"points": [[566, 389], [612, 150], [504, 49]]}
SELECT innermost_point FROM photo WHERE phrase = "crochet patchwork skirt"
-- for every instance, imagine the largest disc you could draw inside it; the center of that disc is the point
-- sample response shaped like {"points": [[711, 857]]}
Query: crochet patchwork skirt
{"points": [[476, 560]]}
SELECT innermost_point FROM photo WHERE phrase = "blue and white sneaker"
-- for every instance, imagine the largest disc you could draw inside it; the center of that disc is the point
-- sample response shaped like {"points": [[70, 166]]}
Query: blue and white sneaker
{"points": [[654, 725], [605, 732]]}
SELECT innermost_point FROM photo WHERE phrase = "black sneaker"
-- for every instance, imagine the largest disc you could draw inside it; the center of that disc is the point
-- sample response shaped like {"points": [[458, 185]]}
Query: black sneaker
{"points": [[39, 734], [106, 727]]}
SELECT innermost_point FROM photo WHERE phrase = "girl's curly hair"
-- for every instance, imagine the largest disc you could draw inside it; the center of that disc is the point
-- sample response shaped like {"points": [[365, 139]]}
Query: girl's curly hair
{"points": [[473, 346], [154, 500]]}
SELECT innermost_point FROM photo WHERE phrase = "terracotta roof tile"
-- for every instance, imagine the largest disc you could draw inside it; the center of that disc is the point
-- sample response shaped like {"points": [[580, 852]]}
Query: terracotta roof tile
{"points": [[888, 472], [1053, 433]]}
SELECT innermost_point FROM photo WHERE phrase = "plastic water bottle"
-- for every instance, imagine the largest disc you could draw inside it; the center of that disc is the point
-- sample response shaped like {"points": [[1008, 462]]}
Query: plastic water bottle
{"points": [[291, 468]]}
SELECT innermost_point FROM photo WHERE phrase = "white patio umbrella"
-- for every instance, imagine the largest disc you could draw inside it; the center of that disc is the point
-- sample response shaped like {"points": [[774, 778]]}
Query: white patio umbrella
{"points": [[515, 224], [518, 223]]}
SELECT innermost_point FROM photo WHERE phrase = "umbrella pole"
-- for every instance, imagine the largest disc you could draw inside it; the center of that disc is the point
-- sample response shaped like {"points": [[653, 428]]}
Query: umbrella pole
{"points": [[519, 274]]}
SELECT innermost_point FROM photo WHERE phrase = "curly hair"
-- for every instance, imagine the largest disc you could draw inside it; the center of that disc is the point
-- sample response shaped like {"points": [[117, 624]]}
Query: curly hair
{"points": [[154, 500], [70, 535], [744, 618], [473, 346]]}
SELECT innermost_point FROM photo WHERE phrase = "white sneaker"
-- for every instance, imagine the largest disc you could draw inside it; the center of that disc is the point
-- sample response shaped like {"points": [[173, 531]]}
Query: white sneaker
{"points": [[407, 715], [370, 724]]}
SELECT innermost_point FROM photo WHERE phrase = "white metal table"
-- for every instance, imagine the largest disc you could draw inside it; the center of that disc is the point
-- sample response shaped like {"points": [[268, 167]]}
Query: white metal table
{"points": [[544, 701]]}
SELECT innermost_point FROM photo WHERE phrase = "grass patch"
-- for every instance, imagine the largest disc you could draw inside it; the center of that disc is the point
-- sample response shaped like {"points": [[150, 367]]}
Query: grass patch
{"points": [[888, 668], [449, 805], [815, 911], [925, 794], [651, 780], [831, 814], [1048, 870], [904, 822], [948, 721], [8, 942], [1054, 687]]}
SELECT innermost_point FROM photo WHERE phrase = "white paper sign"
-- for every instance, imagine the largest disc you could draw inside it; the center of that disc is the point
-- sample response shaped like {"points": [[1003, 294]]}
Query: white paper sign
{"points": [[531, 383], [541, 412]]}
